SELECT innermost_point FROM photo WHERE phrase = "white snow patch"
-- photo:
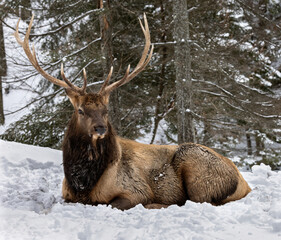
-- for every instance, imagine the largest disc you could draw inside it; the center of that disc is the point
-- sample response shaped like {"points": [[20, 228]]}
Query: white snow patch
{"points": [[246, 46], [148, 6], [241, 79], [244, 25], [226, 42]]}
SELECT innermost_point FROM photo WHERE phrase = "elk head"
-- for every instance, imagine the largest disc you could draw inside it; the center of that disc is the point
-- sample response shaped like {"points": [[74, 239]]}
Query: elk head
{"points": [[90, 108]]}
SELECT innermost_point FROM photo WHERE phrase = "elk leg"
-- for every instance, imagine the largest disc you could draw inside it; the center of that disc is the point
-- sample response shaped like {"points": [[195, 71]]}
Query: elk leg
{"points": [[121, 203], [155, 206], [66, 193]]}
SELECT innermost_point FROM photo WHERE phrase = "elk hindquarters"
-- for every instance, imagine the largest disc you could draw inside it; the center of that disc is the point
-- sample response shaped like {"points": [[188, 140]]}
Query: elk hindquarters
{"points": [[206, 175]]}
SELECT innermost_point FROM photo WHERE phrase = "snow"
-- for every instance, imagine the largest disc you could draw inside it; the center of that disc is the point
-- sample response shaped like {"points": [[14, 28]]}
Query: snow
{"points": [[241, 78], [31, 207], [243, 25]]}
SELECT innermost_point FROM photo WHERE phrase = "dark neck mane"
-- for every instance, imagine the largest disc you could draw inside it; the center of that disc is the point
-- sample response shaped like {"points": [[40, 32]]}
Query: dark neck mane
{"points": [[83, 162]]}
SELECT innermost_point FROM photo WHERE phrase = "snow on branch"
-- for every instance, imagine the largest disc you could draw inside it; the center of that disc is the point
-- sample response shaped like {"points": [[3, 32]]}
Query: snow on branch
{"points": [[215, 85], [243, 109], [231, 78], [245, 6], [238, 101], [212, 93]]}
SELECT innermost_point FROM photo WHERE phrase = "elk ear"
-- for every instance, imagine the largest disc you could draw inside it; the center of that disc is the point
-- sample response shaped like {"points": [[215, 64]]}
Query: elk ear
{"points": [[73, 97]]}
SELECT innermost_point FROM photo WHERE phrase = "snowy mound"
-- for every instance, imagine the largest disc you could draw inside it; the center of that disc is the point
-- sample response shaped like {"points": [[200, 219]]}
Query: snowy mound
{"points": [[32, 207]]}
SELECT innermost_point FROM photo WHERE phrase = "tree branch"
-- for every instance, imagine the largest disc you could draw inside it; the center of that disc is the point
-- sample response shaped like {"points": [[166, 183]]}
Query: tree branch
{"points": [[58, 29]]}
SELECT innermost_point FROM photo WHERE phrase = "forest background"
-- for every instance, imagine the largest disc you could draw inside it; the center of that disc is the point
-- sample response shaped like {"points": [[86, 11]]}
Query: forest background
{"points": [[216, 70]]}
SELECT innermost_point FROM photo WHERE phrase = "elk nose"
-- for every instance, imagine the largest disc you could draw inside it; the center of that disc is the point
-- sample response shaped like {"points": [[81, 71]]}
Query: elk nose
{"points": [[100, 130]]}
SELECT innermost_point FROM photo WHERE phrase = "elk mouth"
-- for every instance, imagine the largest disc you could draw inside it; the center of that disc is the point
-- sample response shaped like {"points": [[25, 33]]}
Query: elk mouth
{"points": [[98, 132]]}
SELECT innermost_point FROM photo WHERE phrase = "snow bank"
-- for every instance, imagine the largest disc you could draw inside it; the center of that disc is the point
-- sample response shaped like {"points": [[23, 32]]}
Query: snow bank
{"points": [[32, 207]]}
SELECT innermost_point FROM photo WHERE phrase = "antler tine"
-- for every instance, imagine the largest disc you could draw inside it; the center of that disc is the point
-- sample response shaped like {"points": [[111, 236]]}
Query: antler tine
{"points": [[140, 68], [144, 60], [106, 81], [120, 82], [64, 77], [72, 86], [31, 55], [147, 40], [16, 34], [85, 81]]}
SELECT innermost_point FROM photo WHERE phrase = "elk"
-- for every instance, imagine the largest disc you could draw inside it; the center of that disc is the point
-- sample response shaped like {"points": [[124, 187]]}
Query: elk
{"points": [[103, 168]]}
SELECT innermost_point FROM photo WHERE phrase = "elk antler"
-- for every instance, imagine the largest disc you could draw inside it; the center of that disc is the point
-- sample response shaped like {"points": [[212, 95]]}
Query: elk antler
{"points": [[145, 58], [33, 60]]}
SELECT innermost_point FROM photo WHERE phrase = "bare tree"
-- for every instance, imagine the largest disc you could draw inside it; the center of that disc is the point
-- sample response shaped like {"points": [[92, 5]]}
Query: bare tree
{"points": [[3, 71], [183, 73]]}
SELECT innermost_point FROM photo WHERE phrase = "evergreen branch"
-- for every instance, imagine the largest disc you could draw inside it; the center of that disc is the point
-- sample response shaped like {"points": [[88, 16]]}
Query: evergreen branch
{"points": [[235, 99], [245, 6]]}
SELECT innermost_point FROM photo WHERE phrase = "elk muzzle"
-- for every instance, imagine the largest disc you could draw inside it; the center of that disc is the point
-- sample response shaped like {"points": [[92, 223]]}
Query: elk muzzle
{"points": [[100, 130]]}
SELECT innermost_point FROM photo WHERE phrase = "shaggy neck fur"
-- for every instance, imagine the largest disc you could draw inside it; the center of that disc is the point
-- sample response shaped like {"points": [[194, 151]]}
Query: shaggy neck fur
{"points": [[85, 162]]}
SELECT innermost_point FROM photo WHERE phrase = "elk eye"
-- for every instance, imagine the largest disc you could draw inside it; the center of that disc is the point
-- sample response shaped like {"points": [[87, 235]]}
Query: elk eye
{"points": [[80, 112]]}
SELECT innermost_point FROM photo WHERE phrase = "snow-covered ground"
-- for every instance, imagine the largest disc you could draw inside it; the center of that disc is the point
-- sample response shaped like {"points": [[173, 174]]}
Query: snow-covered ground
{"points": [[32, 207]]}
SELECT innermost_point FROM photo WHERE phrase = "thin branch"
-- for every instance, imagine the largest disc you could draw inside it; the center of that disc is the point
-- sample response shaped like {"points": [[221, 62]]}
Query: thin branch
{"points": [[74, 53], [34, 101], [243, 109], [58, 29], [235, 99], [227, 93]]}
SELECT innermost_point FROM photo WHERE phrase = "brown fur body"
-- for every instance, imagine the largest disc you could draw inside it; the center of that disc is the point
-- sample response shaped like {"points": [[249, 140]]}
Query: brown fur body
{"points": [[125, 173]]}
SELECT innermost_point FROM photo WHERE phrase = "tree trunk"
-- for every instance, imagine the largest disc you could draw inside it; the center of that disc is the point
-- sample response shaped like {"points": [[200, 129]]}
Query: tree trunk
{"points": [[206, 134], [107, 60], [185, 124], [249, 144], [3, 72], [2, 117], [157, 117], [259, 144]]}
